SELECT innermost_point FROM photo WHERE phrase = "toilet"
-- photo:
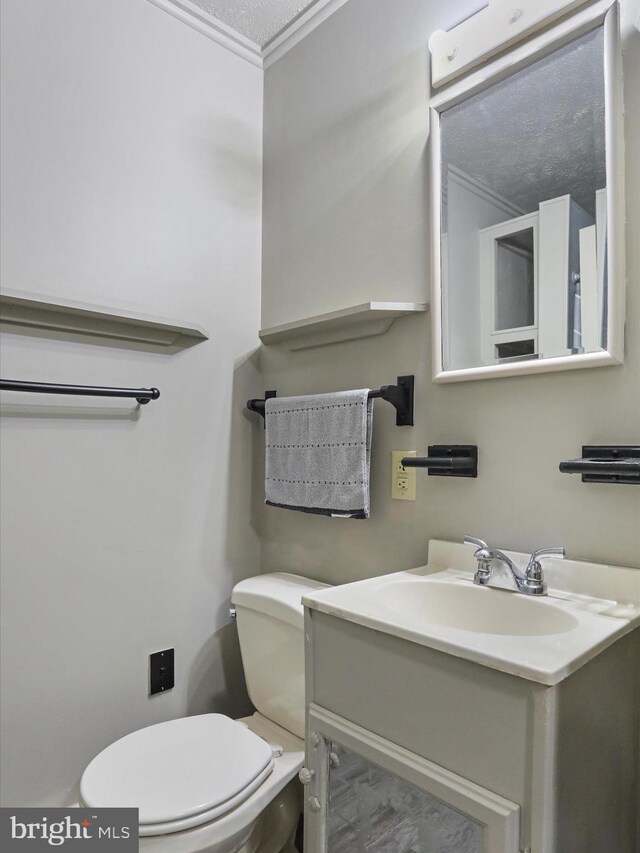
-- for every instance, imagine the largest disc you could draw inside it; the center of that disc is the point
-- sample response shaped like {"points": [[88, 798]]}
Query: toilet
{"points": [[210, 783]]}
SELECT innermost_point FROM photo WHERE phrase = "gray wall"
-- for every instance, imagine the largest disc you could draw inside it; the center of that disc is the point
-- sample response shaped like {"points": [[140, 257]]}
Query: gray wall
{"points": [[131, 178], [346, 221]]}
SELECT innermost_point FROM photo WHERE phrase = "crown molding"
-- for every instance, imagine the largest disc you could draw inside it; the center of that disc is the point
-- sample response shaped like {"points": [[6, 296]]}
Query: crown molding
{"points": [[225, 36], [212, 28], [298, 29]]}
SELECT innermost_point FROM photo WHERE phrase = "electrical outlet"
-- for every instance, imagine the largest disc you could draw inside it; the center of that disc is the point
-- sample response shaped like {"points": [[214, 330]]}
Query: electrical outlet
{"points": [[403, 480]]}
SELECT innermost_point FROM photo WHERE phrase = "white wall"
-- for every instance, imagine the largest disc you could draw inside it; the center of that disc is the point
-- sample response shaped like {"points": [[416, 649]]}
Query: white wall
{"points": [[345, 207], [132, 178]]}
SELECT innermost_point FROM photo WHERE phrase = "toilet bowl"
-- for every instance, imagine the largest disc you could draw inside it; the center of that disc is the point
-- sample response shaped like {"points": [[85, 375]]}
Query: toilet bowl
{"points": [[210, 783]]}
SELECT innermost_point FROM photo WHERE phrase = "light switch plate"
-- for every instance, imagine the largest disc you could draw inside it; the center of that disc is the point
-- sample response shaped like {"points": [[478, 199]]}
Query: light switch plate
{"points": [[403, 480]]}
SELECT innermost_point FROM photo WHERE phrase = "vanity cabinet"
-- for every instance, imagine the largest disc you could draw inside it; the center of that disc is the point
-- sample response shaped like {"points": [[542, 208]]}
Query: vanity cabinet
{"points": [[415, 750]]}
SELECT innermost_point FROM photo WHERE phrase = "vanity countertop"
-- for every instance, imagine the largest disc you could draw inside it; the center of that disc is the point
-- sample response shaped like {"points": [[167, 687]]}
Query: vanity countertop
{"points": [[544, 639]]}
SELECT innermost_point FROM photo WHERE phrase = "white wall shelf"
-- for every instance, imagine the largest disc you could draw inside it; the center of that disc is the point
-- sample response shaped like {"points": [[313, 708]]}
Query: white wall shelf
{"points": [[34, 311], [347, 324]]}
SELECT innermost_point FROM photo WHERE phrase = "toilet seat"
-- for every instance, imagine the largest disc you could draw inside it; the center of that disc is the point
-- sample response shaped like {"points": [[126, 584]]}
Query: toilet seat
{"points": [[179, 774]]}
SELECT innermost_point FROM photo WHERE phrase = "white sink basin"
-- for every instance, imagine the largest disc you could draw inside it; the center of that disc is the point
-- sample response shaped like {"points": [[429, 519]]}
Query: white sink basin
{"points": [[476, 609], [541, 638]]}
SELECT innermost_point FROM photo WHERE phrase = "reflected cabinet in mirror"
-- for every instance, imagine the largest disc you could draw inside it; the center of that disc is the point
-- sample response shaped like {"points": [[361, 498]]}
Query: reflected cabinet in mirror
{"points": [[528, 208]]}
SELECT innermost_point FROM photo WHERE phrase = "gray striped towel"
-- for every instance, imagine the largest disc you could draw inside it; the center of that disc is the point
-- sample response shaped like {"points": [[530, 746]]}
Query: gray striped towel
{"points": [[318, 453]]}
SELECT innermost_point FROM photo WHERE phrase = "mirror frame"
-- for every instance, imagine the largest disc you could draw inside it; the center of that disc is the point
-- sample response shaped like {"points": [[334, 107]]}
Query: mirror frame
{"points": [[604, 12]]}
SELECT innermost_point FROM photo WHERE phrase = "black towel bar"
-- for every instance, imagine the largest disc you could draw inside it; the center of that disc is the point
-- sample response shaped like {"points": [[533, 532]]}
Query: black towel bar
{"points": [[447, 460], [142, 395], [606, 464], [400, 396]]}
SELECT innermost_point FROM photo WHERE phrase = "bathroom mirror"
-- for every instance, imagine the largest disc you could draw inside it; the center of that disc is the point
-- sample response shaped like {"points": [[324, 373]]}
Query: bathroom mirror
{"points": [[527, 208]]}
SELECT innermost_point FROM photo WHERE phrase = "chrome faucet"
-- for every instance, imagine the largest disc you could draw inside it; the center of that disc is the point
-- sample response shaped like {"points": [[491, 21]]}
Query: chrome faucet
{"points": [[529, 583]]}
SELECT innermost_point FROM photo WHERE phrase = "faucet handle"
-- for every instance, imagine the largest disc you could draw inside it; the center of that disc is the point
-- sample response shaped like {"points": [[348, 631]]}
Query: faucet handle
{"points": [[471, 540], [484, 557], [546, 552], [534, 582]]}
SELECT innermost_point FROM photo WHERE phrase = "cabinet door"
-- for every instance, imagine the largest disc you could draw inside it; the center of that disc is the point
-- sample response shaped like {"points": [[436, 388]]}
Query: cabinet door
{"points": [[367, 795]]}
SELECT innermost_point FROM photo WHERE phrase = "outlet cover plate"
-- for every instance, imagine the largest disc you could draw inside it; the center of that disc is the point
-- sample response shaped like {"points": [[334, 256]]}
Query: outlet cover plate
{"points": [[403, 480]]}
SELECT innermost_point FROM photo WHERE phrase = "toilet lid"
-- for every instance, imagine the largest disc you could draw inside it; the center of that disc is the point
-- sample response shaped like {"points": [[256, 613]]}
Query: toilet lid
{"points": [[178, 769]]}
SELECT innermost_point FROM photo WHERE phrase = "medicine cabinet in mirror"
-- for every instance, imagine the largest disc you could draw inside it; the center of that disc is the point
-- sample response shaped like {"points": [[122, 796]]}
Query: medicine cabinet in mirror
{"points": [[527, 207]]}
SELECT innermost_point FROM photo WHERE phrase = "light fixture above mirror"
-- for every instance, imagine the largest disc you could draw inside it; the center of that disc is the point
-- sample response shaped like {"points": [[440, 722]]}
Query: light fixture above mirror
{"points": [[527, 206]]}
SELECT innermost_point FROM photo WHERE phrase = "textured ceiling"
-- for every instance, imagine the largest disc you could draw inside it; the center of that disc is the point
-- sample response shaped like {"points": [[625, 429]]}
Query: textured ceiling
{"points": [[540, 133], [258, 20]]}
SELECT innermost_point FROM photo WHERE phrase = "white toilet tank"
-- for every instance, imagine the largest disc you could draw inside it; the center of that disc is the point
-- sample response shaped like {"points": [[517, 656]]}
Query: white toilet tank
{"points": [[270, 619]]}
